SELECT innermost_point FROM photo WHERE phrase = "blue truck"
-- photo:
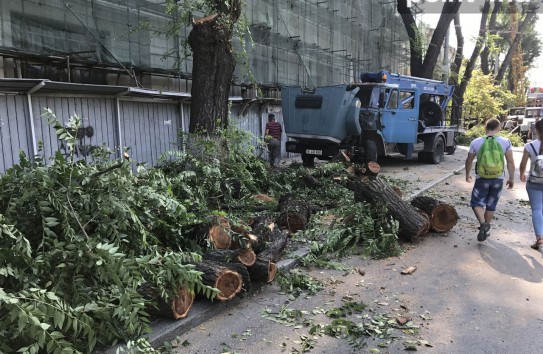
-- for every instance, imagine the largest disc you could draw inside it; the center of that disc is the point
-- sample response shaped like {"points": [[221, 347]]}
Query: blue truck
{"points": [[382, 113]]}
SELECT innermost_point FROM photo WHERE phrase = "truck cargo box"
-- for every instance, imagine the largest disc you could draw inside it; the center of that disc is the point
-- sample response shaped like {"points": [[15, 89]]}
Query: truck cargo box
{"points": [[329, 113]]}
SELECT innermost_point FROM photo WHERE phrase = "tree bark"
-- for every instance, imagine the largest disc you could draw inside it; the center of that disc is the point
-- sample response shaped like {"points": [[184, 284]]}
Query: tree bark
{"points": [[245, 256], [492, 31], [473, 59], [221, 277], [294, 213], [413, 225], [443, 216], [213, 66]]}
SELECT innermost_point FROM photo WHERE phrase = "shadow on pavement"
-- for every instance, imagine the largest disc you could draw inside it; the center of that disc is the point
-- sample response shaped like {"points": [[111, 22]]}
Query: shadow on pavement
{"points": [[508, 261]]}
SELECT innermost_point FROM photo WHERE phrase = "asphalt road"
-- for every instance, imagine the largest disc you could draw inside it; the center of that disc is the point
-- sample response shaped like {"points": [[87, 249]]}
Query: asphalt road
{"points": [[464, 297]]}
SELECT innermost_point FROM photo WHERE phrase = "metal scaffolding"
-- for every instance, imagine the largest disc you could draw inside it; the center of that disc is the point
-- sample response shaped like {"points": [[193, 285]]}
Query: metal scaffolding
{"points": [[302, 42]]}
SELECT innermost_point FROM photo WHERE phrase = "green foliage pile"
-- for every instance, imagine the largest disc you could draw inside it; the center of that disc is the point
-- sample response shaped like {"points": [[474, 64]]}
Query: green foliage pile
{"points": [[77, 242], [80, 240], [217, 170]]}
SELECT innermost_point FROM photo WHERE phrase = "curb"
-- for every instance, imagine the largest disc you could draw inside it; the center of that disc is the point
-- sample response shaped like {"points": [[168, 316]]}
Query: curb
{"points": [[164, 330]]}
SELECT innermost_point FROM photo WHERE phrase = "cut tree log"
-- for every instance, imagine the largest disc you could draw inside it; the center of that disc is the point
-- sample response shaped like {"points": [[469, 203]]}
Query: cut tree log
{"points": [[221, 277], [218, 233], [294, 212], [413, 225], [265, 267], [245, 256], [263, 270], [244, 272], [443, 216], [262, 232], [176, 308], [214, 230], [275, 249]]}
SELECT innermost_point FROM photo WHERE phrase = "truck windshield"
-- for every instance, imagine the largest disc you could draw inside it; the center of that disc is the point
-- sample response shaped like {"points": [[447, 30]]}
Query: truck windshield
{"points": [[533, 113], [368, 96], [516, 111]]}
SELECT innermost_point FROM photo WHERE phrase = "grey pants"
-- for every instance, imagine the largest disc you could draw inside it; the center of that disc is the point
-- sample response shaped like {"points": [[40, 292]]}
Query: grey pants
{"points": [[274, 148]]}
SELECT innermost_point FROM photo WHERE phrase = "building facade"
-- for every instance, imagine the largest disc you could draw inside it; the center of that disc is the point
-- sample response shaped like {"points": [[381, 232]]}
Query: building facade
{"points": [[125, 43]]}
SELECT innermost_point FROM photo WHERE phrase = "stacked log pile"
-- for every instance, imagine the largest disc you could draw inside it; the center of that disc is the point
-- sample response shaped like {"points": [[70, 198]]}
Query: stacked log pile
{"points": [[240, 256]]}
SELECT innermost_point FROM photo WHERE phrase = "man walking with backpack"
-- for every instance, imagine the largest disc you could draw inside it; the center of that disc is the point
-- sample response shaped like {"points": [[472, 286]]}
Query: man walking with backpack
{"points": [[489, 168]]}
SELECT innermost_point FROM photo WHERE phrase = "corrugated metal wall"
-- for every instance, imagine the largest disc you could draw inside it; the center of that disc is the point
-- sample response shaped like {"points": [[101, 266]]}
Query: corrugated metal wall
{"points": [[149, 129], [14, 130]]}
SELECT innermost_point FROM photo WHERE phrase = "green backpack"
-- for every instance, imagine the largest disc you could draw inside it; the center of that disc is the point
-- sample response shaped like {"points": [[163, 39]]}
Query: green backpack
{"points": [[490, 159]]}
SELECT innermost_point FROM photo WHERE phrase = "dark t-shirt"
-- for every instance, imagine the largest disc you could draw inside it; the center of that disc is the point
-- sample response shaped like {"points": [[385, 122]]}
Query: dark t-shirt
{"points": [[274, 130]]}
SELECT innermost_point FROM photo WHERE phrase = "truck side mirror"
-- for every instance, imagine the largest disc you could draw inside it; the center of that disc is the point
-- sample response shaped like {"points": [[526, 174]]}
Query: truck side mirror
{"points": [[381, 99]]}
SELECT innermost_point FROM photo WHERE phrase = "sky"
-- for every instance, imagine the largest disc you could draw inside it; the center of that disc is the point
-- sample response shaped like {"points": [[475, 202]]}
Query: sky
{"points": [[470, 27]]}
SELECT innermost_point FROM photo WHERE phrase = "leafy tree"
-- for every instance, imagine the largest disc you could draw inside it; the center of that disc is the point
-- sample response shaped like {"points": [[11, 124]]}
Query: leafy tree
{"points": [[423, 62], [529, 11], [486, 99]]}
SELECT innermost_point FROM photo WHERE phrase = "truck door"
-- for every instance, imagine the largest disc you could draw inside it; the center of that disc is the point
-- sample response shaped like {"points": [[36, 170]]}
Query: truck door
{"points": [[400, 117]]}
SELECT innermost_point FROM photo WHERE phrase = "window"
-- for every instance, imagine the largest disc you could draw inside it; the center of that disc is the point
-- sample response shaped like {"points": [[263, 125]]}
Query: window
{"points": [[393, 100], [407, 99]]}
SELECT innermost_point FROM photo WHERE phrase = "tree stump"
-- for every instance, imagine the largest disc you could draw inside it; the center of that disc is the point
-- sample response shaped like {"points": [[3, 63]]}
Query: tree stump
{"points": [[218, 233], [443, 216], [294, 213], [374, 190], [221, 277]]}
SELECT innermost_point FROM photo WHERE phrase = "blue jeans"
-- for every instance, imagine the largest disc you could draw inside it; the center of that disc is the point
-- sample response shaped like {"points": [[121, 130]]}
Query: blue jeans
{"points": [[535, 194]]}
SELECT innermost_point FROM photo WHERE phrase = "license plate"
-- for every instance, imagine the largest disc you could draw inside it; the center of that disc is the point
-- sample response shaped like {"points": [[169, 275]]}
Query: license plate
{"points": [[313, 152]]}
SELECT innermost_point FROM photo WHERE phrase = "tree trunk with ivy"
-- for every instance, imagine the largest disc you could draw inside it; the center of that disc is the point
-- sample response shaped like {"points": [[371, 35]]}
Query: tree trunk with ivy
{"points": [[213, 66]]}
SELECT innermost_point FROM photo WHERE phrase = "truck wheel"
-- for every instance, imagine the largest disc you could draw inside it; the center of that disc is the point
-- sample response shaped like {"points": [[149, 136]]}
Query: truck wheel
{"points": [[450, 150], [371, 151], [431, 114], [423, 156], [308, 160], [438, 152]]}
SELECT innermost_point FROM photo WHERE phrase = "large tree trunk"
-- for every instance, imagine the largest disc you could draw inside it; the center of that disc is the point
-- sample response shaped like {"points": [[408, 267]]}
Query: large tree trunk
{"points": [[456, 114], [413, 225], [459, 55], [528, 19], [213, 66], [442, 216], [485, 68], [419, 67]]}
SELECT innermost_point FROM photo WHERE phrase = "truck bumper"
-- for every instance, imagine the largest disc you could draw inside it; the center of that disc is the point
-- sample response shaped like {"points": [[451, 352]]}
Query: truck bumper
{"points": [[323, 152]]}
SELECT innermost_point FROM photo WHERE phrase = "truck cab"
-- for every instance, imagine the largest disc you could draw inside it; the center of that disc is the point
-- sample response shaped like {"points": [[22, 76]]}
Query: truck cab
{"points": [[383, 113]]}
